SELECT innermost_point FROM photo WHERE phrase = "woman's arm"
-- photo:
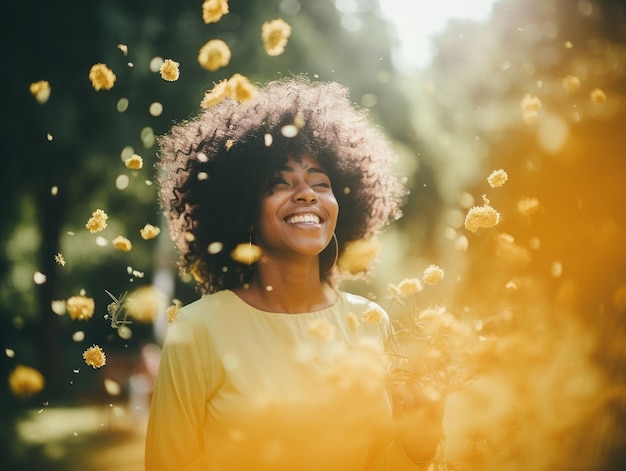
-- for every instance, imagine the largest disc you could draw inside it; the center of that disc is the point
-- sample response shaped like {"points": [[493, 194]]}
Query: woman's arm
{"points": [[174, 439]]}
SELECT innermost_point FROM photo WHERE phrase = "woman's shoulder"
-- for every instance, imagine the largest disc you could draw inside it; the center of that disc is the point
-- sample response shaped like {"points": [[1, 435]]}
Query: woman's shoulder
{"points": [[358, 302], [208, 306]]}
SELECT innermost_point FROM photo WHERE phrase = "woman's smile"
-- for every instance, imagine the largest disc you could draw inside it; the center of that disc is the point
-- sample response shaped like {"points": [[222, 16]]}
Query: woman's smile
{"points": [[299, 212]]}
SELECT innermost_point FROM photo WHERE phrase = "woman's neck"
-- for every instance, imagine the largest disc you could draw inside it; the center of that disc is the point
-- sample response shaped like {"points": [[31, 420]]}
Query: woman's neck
{"points": [[287, 288]]}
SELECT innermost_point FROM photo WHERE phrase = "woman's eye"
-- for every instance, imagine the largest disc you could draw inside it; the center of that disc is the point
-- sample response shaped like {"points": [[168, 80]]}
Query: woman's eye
{"points": [[322, 184]]}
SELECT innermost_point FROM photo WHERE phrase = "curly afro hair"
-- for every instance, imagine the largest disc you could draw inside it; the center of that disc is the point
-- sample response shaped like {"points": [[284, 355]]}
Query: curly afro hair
{"points": [[214, 167]]}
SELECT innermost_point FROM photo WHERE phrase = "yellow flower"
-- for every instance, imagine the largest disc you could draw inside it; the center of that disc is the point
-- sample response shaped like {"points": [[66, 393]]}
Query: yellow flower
{"points": [[322, 329], [95, 357], [275, 34], [406, 287], [59, 259], [528, 206], [170, 71], [433, 274], [134, 162], [80, 307], [497, 178], [97, 222], [25, 381], [357, 256], [102, 78], [41, 91], [149, 232], [214, 54], [145, 303], [597, 96], [215, 95], [372, 316], [246, 253], [122, 243], [213, 10], [530, 109], [172, 312], [240, 88], [571, 83], [481, 217], [507, 249]]}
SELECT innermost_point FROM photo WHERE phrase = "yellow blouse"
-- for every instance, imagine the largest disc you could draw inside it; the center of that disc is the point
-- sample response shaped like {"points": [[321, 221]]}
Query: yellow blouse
{"points": [[243, 389]]}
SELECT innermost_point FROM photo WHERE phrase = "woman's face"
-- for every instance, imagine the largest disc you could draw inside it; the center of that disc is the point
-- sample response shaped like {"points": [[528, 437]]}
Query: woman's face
{"points": [[299, 213]]}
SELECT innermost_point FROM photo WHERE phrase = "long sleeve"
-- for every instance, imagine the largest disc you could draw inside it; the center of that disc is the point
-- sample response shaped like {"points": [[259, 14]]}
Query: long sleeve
{"points": [[174, 438]]}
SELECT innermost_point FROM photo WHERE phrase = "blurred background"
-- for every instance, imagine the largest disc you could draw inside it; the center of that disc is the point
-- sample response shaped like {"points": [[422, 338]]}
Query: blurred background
{"points": [[461, 88]]}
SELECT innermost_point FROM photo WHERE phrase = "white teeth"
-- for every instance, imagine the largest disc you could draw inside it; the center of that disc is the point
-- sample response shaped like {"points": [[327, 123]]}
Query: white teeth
{"points": [[303, 218]]}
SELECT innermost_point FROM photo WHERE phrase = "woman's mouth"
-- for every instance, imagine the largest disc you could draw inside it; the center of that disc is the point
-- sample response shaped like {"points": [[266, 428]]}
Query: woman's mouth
{"points": [[306, 218]]}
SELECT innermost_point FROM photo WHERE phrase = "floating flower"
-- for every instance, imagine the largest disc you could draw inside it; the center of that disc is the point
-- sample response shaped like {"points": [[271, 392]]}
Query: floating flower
{"points": [[240, 88], [213, 10], [41, 91], [145, 303], [246, 253], [97, 222], [170, 71], [134, 162], [357, 256], [275, 34], [497, 178], [123, 48], [59, 259], [149, 232], [481, 217], [507, 249], [80, 307], [597, 96], [530, 108], [528, 206], [571, 83], [102, 78], [214, 54], [433, 275], [25, 381], [95, 357], [122, 243], [322, 329]]}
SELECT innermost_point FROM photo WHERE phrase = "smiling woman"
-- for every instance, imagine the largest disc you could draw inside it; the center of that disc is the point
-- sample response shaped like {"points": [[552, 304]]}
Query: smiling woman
{"points": [[275, 368]]}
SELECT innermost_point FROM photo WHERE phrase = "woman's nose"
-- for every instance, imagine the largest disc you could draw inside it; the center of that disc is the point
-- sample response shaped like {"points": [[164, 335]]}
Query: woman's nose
{"points": [[304, 194]]}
